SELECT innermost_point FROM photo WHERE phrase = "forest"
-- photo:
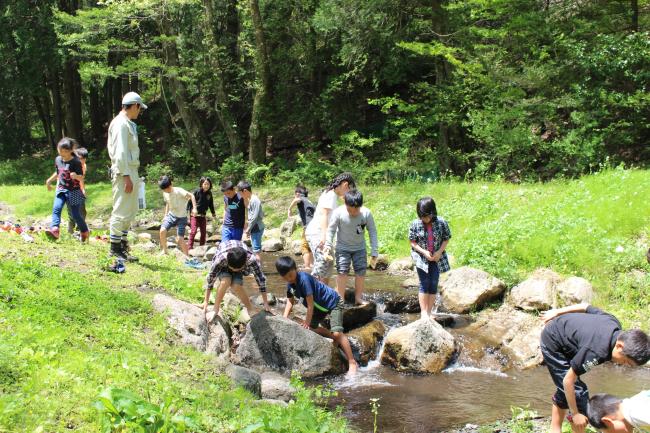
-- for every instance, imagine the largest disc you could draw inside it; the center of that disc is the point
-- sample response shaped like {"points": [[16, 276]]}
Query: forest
{"points": [[295, 90]]}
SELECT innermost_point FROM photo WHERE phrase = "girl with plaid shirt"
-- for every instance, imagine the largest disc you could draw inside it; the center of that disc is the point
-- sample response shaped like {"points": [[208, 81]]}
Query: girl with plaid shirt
{"points": [[429, 236]]}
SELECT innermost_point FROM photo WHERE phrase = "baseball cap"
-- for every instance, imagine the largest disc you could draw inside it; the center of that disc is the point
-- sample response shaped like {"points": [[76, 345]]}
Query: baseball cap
{"points": [[133, 98]]}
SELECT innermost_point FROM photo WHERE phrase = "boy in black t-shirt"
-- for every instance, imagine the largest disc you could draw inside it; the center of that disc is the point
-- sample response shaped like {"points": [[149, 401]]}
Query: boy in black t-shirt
{"points": [[306, 211], [576, 339]]}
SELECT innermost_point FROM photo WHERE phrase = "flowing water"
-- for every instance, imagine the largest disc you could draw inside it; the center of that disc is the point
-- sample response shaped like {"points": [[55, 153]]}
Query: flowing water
{"points": [[468, 391]]}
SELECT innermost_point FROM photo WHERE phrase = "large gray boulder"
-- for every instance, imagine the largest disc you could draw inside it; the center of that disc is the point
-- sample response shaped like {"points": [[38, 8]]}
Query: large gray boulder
{"points": [[276, 343], [189, 323], [467, 289], [402, 304], [365, 341], [422, 346], [575, 290], [199, 251], [246, 378], [514, 332], [144, 237], [272, 245], [537, 293], [275, 386]]}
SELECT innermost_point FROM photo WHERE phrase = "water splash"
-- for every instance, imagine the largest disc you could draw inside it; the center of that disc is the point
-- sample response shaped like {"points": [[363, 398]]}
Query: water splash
{"points": [[455, 367]]}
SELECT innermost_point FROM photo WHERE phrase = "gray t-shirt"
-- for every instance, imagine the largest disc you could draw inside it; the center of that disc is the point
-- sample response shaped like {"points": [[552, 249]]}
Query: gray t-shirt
{"points": [[255, 215], [350, 230]]}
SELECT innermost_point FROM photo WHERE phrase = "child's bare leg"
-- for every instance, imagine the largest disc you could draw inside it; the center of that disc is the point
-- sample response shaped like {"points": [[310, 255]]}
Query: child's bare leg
{"points": [[308, 260], [206, 300], [163, 240], [431, 303], [341, 282], [243, 297], [181, 244], [423, 298], [557, 417], [359, 286], [342, 341], [223, 287]]}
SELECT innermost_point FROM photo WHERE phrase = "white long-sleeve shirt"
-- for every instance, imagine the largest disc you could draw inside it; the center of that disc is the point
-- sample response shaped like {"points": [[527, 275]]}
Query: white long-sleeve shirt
{"points": [[123, 146]]}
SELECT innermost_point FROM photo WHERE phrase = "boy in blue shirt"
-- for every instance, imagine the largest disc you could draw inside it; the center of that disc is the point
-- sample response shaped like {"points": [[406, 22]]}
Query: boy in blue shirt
{"points": [[234, 214], [320, 301]]}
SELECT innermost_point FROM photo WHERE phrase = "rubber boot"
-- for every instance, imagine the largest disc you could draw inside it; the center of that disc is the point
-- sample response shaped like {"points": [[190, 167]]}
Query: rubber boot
{"points": [[116, 251], [125, 250], [84, 236]]}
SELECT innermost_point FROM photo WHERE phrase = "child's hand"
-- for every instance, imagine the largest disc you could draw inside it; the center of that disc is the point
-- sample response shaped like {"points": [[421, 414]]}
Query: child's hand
{"points": [[578, 423], [547, 316], [428, 255], [373, 262], [49, 187], [305, 325], [74, 175], [436, 256], [195, 212]]}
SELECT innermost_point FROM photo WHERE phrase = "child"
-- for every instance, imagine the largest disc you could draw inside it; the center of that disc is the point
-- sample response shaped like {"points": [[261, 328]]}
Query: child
{"points": [[306, 211], [69, 172], [576, 339], [348, 224], [316, 230], [204, 201], [613, 415], [234, 213], [320, 301], [429, 236], [175, 199], [82, 154], [231, 262], [255, 226]]}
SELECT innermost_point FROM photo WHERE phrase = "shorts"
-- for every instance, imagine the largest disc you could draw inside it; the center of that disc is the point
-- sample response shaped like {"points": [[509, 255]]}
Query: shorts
{"points": [[559, 366], [357, 259], [234, 277], [336, 317], [256, 241], [429, 280], [304, 246], [231, 234], [322, 267], [171, 220]]}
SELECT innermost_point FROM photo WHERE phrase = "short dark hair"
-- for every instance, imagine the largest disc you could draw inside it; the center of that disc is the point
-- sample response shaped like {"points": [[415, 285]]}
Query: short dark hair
{"points": [[244, 185], [354, 198], [284, 265], [236, 257], [81, 152], [426, 207], [66, 143], [300, 189], [164, 182], [226, 186], [601, 405], [636, 345], [205, 179]]}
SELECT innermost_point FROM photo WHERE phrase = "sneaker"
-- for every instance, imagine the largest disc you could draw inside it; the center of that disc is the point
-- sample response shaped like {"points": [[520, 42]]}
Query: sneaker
{"points": [[194, 264], [118, 267], [52, 234]]}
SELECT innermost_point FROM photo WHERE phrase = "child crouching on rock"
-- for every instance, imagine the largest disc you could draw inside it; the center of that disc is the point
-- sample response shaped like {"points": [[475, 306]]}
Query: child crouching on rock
{"points": [[320, 301], [429, 236]]}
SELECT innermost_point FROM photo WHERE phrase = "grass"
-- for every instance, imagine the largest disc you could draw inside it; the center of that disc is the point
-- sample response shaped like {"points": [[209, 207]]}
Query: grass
{"points": [[596, 227], [70, 331]]}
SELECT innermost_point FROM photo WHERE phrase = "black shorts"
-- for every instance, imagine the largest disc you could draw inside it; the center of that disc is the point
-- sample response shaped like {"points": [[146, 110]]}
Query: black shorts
{"points": [[559, 366]]}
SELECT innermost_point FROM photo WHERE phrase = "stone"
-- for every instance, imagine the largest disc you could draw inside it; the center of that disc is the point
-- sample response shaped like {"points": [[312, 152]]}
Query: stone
{"points": [[400, 266], [152, 227], [467, 289], [178, 254], [147, 247], [272, 245], [411, 282], [422, 346], [209, 254], [214, 238], [189, 323], [277, 387], [402, 304], [537, 293], [296, 247], [514, 332], [272, 233], [258, 301], [144, 238], [382, 262], [575, 290], [199, 251], [276, 343], [358, 315], [287, 227], [246, 378], [365, 341]]}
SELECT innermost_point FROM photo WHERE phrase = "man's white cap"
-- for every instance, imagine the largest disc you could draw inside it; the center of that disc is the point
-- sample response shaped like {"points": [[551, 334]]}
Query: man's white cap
{"points": [[133, 98]]}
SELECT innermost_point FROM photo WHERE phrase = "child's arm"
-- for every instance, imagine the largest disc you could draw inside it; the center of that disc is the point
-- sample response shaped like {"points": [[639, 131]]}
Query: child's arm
{"points": [[425, 253], [191, 197], [324, 226], [211, 206], [438, 254], [310, 311], [49, 180], [291, 205], [549, 315], [331, 231], [288, 307], [579, 420]]}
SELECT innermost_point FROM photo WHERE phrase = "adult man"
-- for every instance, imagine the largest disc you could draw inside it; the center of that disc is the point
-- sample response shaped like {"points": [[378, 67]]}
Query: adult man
{"points": [[125, 159]]}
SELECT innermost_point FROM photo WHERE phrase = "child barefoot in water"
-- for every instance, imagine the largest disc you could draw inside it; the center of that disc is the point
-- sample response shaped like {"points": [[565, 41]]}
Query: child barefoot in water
{"points": [[320, 301], [429, 236]]}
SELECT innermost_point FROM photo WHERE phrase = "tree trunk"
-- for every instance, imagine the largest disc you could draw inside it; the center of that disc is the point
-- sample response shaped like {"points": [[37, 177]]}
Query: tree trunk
{"points": [[57, 106], [97, 118], [439, 24], [256, 131], [221, 104], [42, 108], [634, 5], [196, 136], [72, 91]]}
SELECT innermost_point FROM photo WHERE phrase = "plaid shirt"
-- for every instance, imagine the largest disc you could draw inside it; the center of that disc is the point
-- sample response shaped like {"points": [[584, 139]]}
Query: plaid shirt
{"points": [[220, 264], [441, 233]]}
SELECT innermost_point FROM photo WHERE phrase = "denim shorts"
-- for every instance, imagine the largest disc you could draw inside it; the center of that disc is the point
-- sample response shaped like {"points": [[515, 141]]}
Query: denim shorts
{"points": [[171, 220], [256, 241], [429, 280], [357, 259], [234, 277]]}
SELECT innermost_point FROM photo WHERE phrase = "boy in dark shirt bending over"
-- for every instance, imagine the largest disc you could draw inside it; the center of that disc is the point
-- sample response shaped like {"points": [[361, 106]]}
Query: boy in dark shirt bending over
{"points": [[576, 339]]}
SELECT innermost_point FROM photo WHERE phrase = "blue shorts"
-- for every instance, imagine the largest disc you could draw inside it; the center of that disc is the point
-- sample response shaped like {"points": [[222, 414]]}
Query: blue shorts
{"points": [[231, 234], [429, 280], [256, 241], [171, 220], [234, 277]]}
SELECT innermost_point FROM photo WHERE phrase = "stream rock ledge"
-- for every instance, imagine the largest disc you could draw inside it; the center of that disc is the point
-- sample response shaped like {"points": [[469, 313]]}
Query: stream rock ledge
{"points": [[467, 289]]}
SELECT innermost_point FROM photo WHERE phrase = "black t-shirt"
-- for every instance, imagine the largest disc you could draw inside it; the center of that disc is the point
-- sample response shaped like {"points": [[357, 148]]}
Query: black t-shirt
{"points": [[306, 210], [204, 202], [64, 168], [235, 211], [585, 339]]}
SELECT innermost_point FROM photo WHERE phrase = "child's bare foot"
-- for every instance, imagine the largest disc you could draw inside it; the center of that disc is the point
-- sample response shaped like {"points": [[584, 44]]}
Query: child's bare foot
{"points": [[360, 302], [352, 369], [209, 317]]}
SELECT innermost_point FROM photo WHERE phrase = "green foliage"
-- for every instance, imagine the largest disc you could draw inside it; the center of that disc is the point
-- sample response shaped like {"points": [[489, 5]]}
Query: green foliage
{"points": [[155, 171], [521, 420]]}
